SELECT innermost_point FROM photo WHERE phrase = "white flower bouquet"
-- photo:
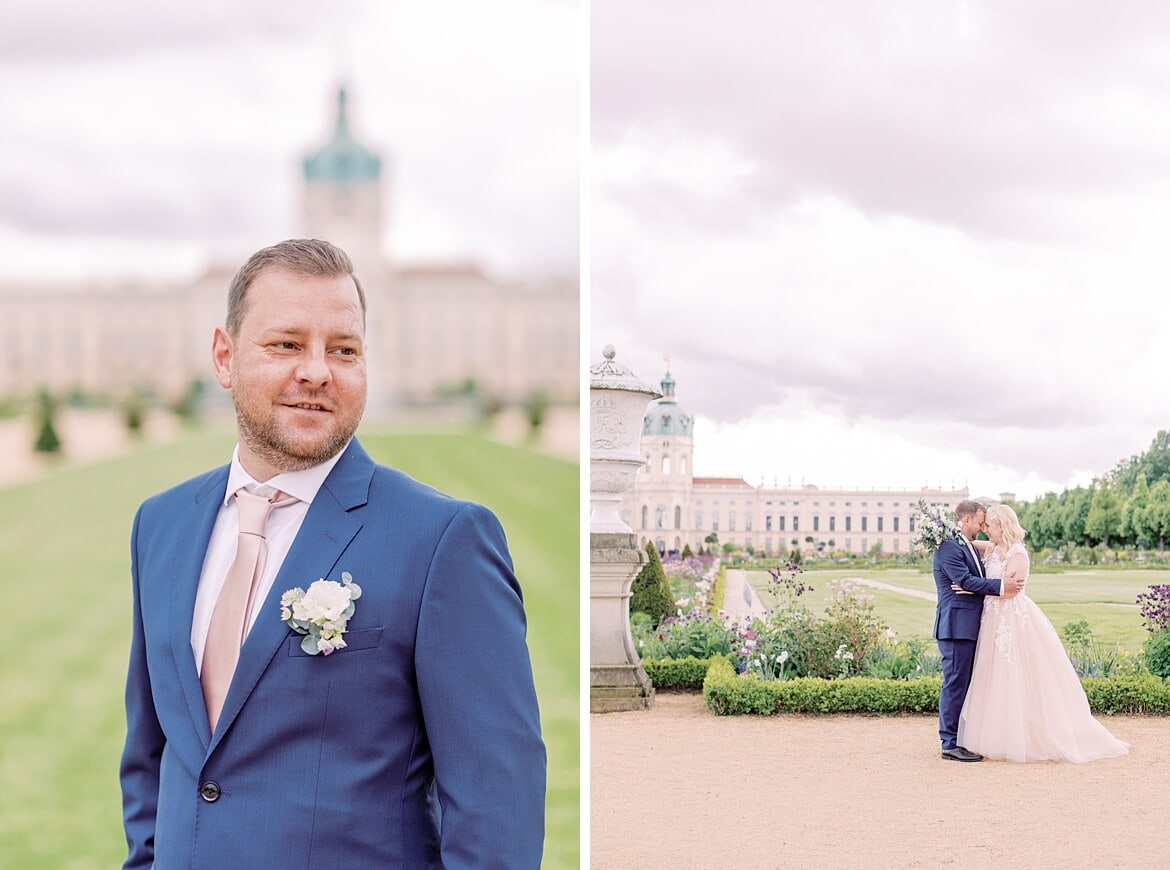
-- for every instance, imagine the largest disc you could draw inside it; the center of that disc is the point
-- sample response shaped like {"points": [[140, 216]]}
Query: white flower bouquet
{"points": [[934, 525]]}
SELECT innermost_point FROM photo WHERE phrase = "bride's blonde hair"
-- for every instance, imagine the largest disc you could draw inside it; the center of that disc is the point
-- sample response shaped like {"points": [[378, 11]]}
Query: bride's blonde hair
{"points": [[1013, 533]]}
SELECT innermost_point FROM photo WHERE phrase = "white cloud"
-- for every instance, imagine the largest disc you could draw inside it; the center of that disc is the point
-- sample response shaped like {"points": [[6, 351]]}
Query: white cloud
{"points": [[944, 253]]}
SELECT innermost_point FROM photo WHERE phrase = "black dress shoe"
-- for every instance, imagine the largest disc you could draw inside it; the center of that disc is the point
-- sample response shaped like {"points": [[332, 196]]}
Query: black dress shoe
{"points": [[958, 753]]}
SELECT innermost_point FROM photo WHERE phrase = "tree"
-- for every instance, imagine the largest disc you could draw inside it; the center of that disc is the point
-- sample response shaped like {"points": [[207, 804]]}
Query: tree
{"points": [[1104, 517], [1135, 514], [651, 593], [712, 538], [1158, 512], [535, 408], [1074, 511], [47, 439], [687, 553]]}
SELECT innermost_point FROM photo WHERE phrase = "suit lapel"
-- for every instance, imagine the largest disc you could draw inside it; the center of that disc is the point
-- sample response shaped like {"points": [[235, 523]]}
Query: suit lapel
{"points": [[326, 532], [191, 551]]}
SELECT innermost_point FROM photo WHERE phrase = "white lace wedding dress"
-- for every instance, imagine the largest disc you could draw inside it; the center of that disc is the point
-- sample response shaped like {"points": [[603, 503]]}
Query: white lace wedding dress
{"points": [[1025, 702]]}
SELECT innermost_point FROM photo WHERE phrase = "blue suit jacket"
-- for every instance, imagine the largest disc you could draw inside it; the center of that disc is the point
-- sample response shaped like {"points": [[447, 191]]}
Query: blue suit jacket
{"points": [[417, 745], [956, 616]]}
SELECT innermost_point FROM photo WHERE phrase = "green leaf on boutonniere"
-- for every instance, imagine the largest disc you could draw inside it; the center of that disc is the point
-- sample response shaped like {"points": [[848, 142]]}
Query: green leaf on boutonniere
{"points": [[309, 644]]}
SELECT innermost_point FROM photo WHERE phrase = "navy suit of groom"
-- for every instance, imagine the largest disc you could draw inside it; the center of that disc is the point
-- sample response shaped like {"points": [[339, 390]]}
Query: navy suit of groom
{"points": [[956, 628], [417, 745]]}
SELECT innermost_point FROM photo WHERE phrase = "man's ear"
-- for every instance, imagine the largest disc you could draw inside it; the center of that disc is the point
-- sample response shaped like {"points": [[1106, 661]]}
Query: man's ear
{"points": [[222, 350]]}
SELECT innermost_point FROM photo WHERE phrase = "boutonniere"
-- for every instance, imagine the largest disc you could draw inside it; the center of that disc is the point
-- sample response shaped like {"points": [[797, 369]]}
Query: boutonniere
{"points": [[322, 613]]}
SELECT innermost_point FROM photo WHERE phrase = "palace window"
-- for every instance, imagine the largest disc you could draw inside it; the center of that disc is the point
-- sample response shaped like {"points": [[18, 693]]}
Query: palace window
{"points": [[795, 523], [848, 524], [895, 524], [645, 516], [768, 523], [677, 517], [816, 522], [880, 523], [715, 521], [832, 524], [660, 517], [780, 523], [864, 525], [699, 520], [731, 521]]}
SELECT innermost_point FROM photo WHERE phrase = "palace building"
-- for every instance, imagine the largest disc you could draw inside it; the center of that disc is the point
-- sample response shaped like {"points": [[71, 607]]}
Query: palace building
{"points": [[434, 329], [671, 507]]}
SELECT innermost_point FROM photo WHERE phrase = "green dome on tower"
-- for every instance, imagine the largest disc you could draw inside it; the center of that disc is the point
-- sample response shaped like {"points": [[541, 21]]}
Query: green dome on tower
{"points": [[342, 160], [665, 416]]}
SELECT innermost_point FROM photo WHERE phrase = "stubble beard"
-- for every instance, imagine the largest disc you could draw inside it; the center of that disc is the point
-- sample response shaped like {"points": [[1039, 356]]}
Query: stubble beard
{"points": [[267, 440]]}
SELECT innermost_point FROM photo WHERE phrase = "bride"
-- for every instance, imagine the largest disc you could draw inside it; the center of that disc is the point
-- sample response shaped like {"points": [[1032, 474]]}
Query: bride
{"points": [[1025, 702]]}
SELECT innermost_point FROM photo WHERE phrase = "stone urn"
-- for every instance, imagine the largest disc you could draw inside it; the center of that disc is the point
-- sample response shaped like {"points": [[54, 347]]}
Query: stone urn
{"points": [[617, 405]]}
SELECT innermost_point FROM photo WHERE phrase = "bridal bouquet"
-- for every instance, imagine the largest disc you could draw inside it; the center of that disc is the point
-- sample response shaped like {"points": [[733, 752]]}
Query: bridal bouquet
{"points": [[934, 525]]}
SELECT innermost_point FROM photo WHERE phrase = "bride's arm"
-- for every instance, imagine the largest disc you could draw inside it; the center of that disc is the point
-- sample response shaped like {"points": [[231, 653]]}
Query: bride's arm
{"points": [[982, 546], [1016, 568]]}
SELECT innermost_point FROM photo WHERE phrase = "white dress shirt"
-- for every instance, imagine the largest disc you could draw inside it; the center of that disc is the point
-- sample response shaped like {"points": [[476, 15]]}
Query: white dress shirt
{"points": [[283, 525], [979, 561]]}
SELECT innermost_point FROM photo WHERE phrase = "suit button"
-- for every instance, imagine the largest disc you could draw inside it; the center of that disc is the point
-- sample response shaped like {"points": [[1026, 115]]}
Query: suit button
{"points": [[209, 791]]}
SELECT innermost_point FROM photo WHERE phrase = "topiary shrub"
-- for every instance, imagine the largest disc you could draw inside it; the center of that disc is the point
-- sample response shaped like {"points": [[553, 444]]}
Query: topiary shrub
{"points": [[47, 438], [650, 592]]}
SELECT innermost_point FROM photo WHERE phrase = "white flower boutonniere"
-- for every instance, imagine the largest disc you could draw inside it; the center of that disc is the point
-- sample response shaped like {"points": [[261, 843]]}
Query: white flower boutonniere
{"points": [[322, 613]]}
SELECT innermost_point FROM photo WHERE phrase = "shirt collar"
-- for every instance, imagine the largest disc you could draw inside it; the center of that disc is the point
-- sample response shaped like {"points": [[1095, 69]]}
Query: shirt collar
{"points": [[302, 485]]}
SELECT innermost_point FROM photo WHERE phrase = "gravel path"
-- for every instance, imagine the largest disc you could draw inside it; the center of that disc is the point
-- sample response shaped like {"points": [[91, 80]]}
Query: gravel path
{"points": [[676, 786], [739, 598]]}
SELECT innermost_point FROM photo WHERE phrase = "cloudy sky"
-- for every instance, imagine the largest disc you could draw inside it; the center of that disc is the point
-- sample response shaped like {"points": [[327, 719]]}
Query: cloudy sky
{"points": [[889, 244], [144, 137]]}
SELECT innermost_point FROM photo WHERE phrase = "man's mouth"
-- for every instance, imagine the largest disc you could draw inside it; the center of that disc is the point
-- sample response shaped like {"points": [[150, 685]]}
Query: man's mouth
{"points": [[307, 406]]}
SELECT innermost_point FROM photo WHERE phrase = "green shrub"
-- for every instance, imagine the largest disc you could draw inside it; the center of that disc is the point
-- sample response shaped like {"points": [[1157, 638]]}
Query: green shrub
{"points": [[1130, 695], [47, 440], [1156, 653], [651, 590], [727, 694], [687, 674]]}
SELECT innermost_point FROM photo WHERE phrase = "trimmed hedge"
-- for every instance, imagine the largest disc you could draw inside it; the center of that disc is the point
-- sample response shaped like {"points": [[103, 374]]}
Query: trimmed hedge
{"points": [[686, 674], [726, 693], [1130, 695]]}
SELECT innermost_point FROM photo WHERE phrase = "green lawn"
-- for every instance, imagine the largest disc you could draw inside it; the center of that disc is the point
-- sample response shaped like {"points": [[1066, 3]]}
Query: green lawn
{"points": [[1105, 599], [64, 541]]}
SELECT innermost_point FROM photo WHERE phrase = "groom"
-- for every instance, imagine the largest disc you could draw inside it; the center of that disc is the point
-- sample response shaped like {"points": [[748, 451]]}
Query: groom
{"points": [[413, 740], [956, 620]]}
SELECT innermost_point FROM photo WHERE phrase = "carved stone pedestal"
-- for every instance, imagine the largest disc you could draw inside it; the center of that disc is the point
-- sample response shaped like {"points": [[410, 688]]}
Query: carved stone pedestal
{"points": [[616, 679]]}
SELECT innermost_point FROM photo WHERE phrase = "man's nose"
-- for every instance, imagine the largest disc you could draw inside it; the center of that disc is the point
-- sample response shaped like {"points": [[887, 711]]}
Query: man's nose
{"points": [[313, 368]]}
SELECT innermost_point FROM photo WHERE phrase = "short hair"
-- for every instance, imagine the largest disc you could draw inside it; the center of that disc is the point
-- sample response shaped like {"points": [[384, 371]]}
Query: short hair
{"points": [[310, 258], [968, 508], [1013, 532]]}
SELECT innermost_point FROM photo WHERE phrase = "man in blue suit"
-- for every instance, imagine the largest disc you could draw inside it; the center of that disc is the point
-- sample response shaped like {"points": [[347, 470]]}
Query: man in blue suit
{"points": [[957, 617], [412, 739]]}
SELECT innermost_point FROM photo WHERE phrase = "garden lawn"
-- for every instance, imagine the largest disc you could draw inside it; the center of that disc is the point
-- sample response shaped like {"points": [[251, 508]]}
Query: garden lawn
{"points": [[1104, 599], [65, 545]]}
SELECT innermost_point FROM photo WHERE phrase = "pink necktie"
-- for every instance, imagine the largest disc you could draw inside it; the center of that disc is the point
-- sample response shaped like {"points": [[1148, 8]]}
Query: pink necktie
{"points": [[229, 619]]}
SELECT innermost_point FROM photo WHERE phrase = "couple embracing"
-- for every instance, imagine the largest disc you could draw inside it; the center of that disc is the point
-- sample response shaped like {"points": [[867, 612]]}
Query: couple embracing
{"points": [[1009, 691]]}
